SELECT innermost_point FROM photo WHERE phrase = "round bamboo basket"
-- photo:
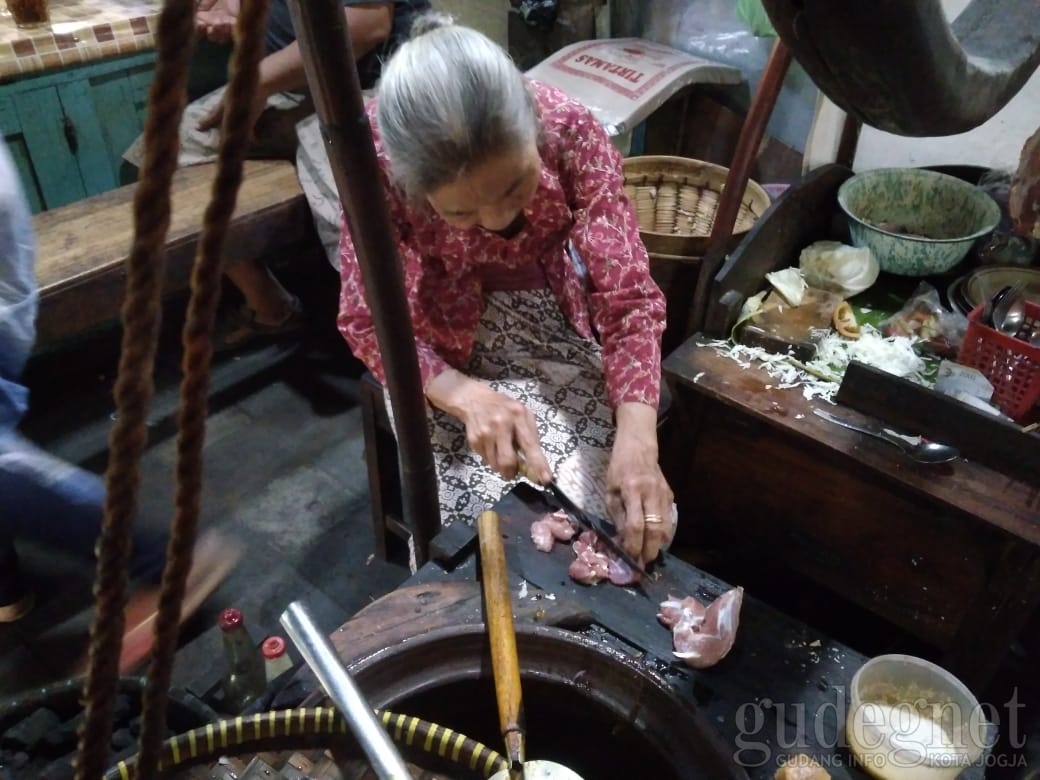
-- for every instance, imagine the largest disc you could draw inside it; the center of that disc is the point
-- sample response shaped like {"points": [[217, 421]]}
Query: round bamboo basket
{"points": [[676, 198]]}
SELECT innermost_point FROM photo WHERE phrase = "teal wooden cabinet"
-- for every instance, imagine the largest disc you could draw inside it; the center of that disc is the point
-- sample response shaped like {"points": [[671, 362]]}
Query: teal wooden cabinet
{"points": [[68, 129]]}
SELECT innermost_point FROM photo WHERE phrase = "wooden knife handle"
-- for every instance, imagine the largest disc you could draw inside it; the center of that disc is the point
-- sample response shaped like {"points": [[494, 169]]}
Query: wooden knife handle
{"points": [[498, 607]]}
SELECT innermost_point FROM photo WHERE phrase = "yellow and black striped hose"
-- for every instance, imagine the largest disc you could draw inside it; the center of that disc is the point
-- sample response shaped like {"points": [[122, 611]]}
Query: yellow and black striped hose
{"points": [[303, 728]]}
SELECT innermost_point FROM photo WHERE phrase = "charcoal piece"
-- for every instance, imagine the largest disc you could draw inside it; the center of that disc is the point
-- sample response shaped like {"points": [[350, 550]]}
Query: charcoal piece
{"points": [[123, 708], [122, 739], [59, 769], [29, 732], [64, 738], [19, 759]]}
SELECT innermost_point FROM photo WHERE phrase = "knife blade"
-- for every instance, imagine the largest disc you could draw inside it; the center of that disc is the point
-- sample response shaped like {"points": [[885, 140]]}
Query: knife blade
{"points": [[603, 528]]}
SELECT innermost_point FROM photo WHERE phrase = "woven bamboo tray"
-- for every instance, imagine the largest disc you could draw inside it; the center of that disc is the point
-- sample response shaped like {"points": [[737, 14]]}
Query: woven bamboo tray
{"points": [[676, 198]]}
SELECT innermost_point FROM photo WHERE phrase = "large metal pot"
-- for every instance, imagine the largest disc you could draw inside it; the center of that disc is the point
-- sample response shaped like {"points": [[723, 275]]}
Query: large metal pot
{"points": [[592, 708]]}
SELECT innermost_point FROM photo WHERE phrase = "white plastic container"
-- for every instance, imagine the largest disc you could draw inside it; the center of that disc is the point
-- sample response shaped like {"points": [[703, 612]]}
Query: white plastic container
{"points": [[910, 719]]}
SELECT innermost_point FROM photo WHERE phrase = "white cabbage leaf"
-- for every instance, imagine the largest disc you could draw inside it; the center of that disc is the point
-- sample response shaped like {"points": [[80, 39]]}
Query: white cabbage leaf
{"points": [[790, 284], [839, 268]]}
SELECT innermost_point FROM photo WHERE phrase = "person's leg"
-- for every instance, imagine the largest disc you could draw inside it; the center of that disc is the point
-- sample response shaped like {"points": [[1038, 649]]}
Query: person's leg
{"points": [[269, 312], [270, 309], [272, 305], [60, 505]]}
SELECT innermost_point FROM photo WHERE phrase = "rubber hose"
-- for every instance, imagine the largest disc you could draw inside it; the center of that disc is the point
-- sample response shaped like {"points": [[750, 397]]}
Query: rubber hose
{"points": [[311, 727]]}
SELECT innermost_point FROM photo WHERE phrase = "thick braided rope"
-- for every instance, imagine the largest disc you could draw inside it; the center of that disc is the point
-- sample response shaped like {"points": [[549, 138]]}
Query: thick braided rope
{"points": [[134, 386], [198, 352]]}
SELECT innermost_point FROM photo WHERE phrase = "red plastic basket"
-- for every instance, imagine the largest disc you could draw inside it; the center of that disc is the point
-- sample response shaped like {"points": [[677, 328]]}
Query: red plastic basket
{"points": [[1011, 365]]}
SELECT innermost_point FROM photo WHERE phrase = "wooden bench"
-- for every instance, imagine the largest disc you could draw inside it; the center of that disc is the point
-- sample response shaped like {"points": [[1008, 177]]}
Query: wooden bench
{"points": [[82, 248]]}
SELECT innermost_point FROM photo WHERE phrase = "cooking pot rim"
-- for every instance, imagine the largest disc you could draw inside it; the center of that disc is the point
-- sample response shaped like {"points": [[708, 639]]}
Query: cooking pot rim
{"points": [[652, 703]]}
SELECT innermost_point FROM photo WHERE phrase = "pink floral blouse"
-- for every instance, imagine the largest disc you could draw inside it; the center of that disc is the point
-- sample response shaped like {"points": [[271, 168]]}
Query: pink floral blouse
{"points": [[579, 202]]}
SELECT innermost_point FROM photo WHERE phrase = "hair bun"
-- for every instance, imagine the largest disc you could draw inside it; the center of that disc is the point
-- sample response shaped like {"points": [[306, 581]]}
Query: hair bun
{"points": [[431, 20]]}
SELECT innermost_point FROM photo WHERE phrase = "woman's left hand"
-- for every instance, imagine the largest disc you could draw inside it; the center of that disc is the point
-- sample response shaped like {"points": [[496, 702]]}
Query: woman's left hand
{"points": [[638, 496]]}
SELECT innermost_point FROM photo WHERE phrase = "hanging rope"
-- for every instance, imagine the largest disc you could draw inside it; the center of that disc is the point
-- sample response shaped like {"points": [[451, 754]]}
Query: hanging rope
{"points": [[134, 386], [198, 352]]}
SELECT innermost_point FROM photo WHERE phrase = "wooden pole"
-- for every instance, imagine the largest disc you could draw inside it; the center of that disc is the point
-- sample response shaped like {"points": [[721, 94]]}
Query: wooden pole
{"points": [[736, 180], [321, 28]]}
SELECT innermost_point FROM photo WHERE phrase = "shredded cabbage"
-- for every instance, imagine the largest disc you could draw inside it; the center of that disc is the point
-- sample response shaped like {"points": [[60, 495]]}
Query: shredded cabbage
{"points": [[821, 376]]}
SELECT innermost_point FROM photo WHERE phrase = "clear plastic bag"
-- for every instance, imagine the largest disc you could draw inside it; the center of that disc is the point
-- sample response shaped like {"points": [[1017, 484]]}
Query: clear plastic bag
{"points": [[938, 330]]}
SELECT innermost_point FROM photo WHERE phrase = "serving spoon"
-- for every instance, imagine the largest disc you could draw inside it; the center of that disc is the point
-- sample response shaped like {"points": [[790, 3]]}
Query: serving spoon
{"points": [[1010, 311], [923, 451]]}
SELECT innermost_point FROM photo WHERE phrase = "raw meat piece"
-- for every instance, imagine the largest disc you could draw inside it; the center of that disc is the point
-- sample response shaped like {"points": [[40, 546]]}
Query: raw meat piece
{"points": [[589, 565], [550, 529], [702, 636], [594, 562]]}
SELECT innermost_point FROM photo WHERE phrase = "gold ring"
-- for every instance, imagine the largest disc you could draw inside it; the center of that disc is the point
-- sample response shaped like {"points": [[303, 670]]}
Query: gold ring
{"points": [[652, 519]]}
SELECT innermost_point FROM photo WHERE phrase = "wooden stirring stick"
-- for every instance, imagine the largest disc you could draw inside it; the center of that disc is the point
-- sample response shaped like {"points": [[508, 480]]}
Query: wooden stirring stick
{"points": [[505, 665]]}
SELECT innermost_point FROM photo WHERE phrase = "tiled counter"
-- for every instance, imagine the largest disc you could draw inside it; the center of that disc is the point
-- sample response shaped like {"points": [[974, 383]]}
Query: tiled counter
{"points": [[81, 31], [74, 93]]}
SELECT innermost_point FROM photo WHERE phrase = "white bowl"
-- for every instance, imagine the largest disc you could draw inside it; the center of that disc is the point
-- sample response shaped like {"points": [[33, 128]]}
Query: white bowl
{"points": [[910, 719]]}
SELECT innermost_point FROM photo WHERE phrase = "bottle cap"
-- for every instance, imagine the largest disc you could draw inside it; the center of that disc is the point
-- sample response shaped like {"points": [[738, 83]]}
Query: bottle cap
{"points": [[229, 619], [273, 647]]}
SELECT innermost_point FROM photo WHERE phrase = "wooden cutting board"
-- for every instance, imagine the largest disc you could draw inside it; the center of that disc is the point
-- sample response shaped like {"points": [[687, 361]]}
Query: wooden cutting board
{"points": [[794, 330]]}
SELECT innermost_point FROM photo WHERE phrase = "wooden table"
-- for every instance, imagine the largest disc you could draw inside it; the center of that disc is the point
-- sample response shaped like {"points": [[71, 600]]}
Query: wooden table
{"points": [[950, 554], [783, 684]]}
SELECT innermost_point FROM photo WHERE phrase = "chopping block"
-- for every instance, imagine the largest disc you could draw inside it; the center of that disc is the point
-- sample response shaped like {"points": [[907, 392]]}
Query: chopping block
{"points": [[791, 330]]}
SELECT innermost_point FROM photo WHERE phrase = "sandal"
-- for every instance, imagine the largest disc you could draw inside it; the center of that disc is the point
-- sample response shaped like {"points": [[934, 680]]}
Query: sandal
{"points": [[17, 608], [15, 598], [213, 559], [241, 329]]}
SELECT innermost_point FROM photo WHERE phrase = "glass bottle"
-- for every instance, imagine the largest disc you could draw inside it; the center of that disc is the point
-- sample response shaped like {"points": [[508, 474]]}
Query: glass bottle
{"points": [[276, 657], [244, 679]]}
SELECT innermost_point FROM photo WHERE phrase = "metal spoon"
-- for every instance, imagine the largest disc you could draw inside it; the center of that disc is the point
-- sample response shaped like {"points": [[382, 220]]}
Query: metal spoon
{"points": [[987, 309], [1010, 311], [923, 451]]}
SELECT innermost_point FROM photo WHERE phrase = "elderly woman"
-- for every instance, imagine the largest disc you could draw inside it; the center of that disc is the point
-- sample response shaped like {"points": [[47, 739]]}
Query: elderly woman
{"points": [[537, 323]]}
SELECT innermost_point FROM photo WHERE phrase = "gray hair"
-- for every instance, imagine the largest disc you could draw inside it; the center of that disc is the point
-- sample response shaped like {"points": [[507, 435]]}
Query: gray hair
{"points": [[449, 100]]}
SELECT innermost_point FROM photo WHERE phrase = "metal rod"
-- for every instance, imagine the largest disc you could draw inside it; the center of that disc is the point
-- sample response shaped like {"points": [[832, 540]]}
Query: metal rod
{"points": [[320, 655], [328, 59]]}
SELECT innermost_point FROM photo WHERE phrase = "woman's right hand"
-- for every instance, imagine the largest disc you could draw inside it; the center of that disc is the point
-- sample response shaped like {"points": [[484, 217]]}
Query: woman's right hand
{"points": [[498, 427]]}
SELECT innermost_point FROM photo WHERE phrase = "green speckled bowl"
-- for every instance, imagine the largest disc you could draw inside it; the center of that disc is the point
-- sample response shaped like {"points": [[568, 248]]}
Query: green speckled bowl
{"points": [[944, 215]]}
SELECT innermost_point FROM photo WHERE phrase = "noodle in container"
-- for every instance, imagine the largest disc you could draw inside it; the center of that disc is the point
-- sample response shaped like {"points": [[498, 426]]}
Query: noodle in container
{"points": [[910, 719]]}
